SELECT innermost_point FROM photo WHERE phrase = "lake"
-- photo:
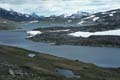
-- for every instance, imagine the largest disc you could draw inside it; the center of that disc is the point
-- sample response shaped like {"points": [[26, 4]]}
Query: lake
{"points": [[101, 56]]}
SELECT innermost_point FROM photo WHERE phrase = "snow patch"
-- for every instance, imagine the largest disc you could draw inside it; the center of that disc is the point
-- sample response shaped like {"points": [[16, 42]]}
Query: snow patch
{"points": [[27, 15], [88, 34], [34, 21], [59, 30], [33, 33], [81, 22], [92, 16], [95, 19], [69, 21], [80, 34], [31, 55], [111, 14], [104, 13]]}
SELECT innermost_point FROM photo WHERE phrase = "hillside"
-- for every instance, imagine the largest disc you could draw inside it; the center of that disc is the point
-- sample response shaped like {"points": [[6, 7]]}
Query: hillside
{"points": [[21, 64], [7, 24], [102, 21]]}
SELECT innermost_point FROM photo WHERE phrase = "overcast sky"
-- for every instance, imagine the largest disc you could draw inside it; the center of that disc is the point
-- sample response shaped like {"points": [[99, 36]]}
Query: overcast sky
{"points": [[51, 7]]}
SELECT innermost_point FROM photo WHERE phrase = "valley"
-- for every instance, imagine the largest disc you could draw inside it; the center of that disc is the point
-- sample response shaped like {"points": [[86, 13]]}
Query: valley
{"points": [[81, 46]]}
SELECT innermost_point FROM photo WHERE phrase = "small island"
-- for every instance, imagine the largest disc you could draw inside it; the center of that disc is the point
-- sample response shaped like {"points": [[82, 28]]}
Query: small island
{"points": [[67, 36]]}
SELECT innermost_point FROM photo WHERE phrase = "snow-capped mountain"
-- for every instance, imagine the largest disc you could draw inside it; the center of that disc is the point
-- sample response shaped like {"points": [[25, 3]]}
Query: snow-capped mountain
{"points": [[34, 15], [64, 15], [108, 17], [67, 19], [16, 16], [99, 21], [103, 20], [79, 15]]}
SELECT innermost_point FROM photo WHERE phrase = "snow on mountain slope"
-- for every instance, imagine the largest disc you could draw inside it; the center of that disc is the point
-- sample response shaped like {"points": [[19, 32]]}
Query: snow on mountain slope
{"points": [[16, 16], [105, 18]]}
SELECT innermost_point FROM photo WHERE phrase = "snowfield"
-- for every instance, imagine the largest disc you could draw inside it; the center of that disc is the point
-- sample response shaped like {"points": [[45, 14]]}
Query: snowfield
{"points": [[92, 16], [82, 22], [33, 33], [88, 34], [95, 19], [111, 14], [59, 30], [34, 21]]}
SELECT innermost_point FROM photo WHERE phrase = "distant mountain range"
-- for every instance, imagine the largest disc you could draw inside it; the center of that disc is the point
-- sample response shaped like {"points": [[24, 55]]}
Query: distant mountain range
{"points": [[16, 16], [75, 15], [103, 20]]}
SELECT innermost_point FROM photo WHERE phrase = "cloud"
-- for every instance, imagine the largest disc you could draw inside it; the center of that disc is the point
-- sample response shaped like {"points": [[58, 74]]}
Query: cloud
{"points": [[49, 7]]}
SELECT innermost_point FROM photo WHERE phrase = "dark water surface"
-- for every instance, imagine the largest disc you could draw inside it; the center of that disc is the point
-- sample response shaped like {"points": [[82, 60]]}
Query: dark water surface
{"points": [[105, 57]]}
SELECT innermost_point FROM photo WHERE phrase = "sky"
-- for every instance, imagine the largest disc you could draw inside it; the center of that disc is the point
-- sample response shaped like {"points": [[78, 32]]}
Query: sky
{"points": [[57, 7]]}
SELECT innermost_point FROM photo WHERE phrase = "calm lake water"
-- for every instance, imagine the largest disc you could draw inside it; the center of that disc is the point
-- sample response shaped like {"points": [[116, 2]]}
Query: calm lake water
{"points": [[105, 57]]}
